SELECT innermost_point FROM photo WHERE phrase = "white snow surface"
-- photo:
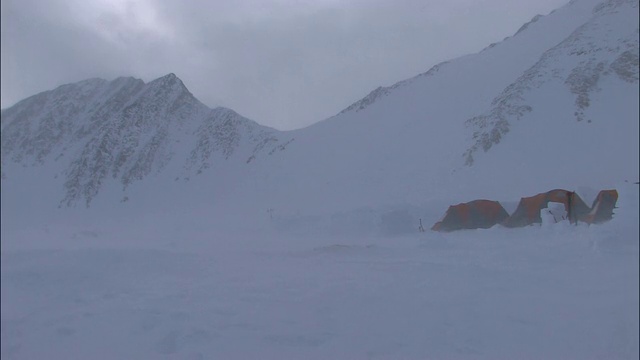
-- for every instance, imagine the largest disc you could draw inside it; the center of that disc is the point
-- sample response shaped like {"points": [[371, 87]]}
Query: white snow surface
{"points": [[554, 291], [139, 224]]}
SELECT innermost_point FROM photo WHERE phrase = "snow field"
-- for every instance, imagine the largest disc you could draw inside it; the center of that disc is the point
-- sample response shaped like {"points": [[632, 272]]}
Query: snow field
{"points": [[554, 291]]}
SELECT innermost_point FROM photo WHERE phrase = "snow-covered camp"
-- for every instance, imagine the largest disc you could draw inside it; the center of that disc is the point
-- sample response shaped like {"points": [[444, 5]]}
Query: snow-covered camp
{"points": [[139, 223]]}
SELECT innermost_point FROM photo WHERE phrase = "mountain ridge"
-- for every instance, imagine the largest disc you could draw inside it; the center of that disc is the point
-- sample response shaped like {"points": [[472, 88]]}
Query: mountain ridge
{"points": [[122, 129], [437, 130]]}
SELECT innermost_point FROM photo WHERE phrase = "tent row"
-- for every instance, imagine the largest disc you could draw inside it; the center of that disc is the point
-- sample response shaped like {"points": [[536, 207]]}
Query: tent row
{"points": [[483, 214]]}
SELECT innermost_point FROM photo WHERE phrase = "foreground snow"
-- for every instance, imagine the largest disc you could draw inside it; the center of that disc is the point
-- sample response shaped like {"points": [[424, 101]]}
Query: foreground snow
{"points": [[551, 291]]}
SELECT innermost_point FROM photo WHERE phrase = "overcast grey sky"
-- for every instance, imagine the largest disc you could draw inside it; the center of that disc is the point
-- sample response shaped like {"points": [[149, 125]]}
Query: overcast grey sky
{"points": [[282, 63]]}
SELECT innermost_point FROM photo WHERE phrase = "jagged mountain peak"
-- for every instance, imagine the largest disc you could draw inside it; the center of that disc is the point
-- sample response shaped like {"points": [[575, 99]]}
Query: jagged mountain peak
{"points": [[127, 130], [169, 80], [168, 92]]}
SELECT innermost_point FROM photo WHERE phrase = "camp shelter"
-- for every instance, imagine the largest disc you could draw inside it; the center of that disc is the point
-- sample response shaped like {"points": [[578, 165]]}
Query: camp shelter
{"points": [[528, 210], [602, 208], [472, 215]]}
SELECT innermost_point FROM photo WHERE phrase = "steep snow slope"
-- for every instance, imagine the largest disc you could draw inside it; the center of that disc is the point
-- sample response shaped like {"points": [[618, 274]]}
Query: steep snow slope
{"points": [[547, 105]]}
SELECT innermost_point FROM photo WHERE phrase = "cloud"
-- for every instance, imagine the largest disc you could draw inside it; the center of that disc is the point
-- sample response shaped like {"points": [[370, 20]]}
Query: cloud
{"points": [[45, 44], [283, 63]]}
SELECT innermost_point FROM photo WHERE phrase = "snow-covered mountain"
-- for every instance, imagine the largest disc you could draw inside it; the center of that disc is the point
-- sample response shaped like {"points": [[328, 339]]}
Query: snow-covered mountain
{"points": [[137, 223], [123, 131], [555, 105], [542, 109]]}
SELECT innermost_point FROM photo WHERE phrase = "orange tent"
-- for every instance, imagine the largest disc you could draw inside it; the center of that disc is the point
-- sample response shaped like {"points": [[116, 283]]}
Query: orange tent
{"points": [[528, 210], [602, 209], [472, 215], [486, 213]]}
